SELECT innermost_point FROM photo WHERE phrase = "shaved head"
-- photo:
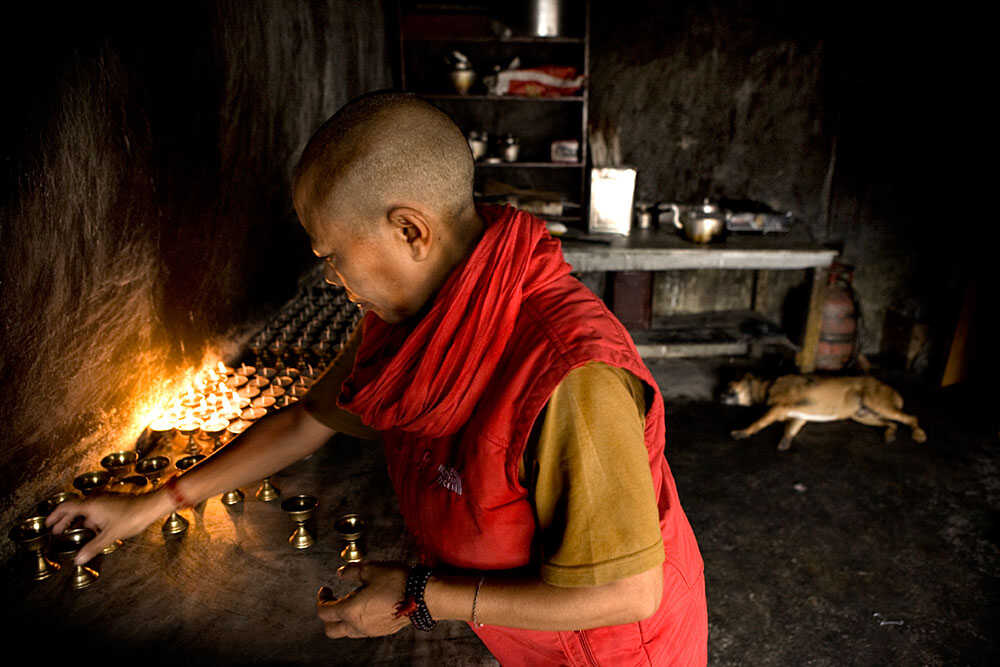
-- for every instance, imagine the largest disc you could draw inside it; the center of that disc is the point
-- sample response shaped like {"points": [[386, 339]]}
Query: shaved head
{"points": [[384, 191], [382, 150]]}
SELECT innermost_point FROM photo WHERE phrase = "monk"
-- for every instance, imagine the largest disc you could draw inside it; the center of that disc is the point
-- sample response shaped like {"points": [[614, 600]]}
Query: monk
{"points": [[523, 434]]}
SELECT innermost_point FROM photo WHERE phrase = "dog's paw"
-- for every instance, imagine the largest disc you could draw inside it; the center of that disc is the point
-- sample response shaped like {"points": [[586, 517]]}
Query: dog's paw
{"points": [[890, 435], [784, 445], [919, 435], [739, 435]]}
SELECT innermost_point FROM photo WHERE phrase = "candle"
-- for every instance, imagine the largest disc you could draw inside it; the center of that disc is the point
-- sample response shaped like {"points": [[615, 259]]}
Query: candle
{"points": [[214, 425], [162, 424], [252, 414], [190, 399], [260, 381], [246, 371], [273, 391], [188, 426], [236, 381], [249, 391], [239, 426], [263, 402]]}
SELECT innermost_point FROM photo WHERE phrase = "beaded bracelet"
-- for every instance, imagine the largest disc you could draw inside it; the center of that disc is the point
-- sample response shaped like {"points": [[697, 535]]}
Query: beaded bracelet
{"points": [[413, 605]]}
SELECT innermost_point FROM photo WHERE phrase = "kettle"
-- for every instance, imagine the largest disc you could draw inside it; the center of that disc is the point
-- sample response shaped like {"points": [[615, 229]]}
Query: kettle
{"points": [[700, 223]]}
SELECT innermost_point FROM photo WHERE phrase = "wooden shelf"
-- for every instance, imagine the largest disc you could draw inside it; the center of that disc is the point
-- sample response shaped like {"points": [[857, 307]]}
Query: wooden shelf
{"points": [[533, 165], [427, 32], [517, 39], [718, 333], [501, 98]]}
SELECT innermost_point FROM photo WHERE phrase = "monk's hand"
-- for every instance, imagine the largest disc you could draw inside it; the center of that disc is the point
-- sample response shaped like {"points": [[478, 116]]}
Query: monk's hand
{"points": [[370, 609]]}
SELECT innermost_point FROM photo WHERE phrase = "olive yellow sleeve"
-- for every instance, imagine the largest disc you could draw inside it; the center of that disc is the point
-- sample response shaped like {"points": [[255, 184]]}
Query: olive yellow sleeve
{"points": [[587, 471], [321, 401]]}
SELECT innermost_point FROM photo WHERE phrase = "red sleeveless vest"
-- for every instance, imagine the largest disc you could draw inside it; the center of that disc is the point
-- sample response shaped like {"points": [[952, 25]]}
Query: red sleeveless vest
{"points": [[461, 497]]}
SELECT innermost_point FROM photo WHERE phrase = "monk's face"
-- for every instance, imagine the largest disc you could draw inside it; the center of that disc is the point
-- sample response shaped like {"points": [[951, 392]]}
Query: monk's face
{"points": [[371, 259]]}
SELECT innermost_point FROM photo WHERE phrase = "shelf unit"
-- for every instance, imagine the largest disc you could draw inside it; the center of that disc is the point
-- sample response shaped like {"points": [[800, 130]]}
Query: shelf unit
{"points": [[428, 32]]}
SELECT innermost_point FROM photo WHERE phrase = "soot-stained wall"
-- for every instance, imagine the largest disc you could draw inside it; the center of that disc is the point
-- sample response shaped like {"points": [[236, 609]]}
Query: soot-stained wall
{"points": [[146, 218], [835, 111]]}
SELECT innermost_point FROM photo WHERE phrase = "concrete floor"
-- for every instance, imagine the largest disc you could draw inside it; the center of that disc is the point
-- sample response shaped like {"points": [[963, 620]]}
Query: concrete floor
{"points": [[841, 551]]}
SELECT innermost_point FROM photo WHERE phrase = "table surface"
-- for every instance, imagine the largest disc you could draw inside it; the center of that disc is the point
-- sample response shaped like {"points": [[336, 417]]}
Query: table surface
{"points": [[232, 590], [664, 250]]}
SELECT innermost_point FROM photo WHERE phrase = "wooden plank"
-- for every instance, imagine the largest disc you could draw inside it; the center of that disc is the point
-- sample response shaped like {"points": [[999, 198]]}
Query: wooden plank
{"points": [[658, 250], [806, 359]]}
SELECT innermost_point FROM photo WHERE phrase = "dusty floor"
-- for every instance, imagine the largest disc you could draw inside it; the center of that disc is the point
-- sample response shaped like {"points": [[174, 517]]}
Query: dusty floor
{"points": [[841, 551]]}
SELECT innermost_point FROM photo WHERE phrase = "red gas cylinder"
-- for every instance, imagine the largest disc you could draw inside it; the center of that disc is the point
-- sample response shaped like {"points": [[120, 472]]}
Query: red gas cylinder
{"points": [[838, 334]]}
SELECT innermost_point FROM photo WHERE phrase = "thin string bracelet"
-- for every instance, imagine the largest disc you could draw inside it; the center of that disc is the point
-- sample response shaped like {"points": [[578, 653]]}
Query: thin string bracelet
{"points": [[176, 497], [475, 600]]}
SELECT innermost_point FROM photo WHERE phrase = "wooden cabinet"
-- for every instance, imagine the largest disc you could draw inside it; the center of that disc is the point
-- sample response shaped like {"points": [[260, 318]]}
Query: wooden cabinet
{"points": [[490, 36]]}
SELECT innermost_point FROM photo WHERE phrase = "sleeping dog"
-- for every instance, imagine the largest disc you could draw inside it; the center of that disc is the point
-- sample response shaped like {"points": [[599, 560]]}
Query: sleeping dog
{"points": [[797, 399]]}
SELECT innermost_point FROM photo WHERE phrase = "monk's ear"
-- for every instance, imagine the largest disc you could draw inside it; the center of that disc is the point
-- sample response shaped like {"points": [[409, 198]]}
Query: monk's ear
{"points": [[410, 226]]}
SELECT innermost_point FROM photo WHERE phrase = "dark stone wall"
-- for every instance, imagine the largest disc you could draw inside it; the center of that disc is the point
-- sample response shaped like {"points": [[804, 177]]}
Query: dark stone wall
{"points": [[839, 112], [146, 215]]}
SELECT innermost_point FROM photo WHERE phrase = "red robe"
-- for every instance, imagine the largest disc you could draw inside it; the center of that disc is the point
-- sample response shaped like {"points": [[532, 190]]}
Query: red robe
{"points": [[455, 396]]}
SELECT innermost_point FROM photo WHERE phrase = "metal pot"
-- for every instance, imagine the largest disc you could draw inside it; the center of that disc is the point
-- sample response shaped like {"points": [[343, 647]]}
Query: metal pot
{"points": [[700, 223], [462, 77]]}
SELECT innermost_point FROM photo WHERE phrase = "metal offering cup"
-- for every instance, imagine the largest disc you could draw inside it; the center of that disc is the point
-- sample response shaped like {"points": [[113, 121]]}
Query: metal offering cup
{"points": [[234, 497], [267, 491], [68, 545], [188, 428], [117, 463], [188, 461], [90, 482], [300, 509], [46, 506], [32, 536], [134, 481], [175, 523], [214, 428], [152, 468], [350, 528]]}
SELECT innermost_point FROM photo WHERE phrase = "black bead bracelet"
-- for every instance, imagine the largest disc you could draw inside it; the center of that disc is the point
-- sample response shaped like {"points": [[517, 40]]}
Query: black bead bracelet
{"points": [[416, 584]]}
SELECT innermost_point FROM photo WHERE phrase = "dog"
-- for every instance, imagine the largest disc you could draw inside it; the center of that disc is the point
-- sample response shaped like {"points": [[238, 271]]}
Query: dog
{"points": [[797, 399]]}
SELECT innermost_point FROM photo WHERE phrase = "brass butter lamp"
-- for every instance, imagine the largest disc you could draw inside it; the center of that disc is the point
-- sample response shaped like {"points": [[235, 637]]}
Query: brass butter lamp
{"points": [[300, 509], [90, 482], [267, 491], [350, 528], [68, 545], [31, 536], [117, 463], [55, 500]]}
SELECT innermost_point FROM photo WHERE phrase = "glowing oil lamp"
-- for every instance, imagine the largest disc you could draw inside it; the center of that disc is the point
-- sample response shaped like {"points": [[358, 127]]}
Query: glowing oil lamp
{"points": [[214, 427], [188, 428]]}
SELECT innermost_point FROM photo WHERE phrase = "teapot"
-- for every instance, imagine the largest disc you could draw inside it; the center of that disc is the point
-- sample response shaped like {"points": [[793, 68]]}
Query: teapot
{"points": [[700, 223]]}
